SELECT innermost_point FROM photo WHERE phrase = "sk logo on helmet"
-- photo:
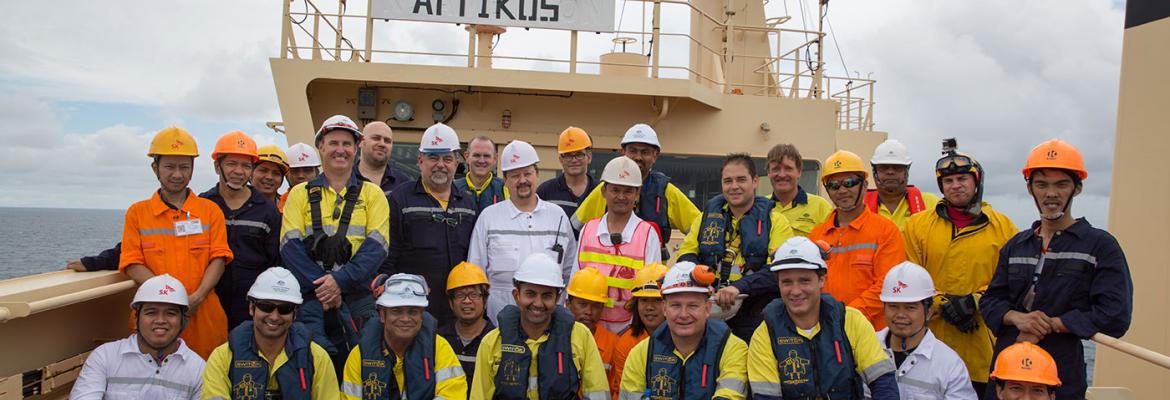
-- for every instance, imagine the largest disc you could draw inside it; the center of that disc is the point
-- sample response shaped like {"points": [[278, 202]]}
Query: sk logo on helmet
{"points": [[624, 174], [436, 141], [837, 164], [303, 157], [177, 144], [166, 290], [240, 143], [901, 285], [1052, 154], [1026, 363], [515, 158]]}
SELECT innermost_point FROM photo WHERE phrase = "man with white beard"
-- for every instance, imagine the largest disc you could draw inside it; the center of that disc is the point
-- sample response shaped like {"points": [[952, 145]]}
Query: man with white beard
{"points": [[431, 221]]}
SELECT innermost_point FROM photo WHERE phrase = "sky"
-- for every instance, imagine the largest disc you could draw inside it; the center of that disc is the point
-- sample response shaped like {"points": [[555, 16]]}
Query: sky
{"points": [[83, 85]]}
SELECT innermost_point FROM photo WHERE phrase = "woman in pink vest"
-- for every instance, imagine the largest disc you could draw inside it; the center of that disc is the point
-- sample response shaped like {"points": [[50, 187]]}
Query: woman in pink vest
{"points": [[619, 243]]}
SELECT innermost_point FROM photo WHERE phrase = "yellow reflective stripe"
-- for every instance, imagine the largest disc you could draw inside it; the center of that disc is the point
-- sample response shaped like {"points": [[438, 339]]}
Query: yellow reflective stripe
{"points": [[621, 261], [619, 282]]}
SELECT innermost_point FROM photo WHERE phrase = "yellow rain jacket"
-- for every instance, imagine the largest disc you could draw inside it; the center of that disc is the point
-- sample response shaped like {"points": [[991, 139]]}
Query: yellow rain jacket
{"points": [[960, 262]]}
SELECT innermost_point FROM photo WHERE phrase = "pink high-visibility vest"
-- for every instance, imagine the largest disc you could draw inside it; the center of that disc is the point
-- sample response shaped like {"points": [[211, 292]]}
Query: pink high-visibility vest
{"points": [[618, 263]]}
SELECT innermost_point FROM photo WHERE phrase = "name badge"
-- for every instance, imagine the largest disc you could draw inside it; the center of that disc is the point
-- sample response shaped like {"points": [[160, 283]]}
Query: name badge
{"points": [[188, 227]]}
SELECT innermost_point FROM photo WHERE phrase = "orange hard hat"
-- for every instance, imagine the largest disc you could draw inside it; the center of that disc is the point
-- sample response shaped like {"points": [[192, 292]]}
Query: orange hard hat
{"points": [[235, 142], [1026, 362], [1057, 154], [573, 139]]}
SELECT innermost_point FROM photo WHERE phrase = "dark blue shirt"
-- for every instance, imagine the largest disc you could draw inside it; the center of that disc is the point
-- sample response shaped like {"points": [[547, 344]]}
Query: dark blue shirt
{"points": [[557, 191], [1085, 281], [429, 241], [390, 179], [253, 230]]}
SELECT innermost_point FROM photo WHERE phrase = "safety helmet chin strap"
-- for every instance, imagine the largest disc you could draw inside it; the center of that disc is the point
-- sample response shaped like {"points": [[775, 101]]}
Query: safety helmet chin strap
{"points": [[926, 320], [158, 350], [1067, 203]]}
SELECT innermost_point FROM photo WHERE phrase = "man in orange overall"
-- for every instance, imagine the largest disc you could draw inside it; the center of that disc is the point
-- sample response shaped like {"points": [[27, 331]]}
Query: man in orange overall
{"points": [[178, 233], [864, 245]]}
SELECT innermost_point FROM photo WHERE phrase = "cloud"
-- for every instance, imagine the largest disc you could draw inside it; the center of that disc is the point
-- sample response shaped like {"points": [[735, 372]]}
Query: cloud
{"points": [[43, 166], [1001, 76]]}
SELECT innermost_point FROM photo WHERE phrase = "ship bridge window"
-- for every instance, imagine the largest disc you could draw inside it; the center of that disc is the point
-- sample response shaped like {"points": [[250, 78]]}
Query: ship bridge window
{"points": [[698, 177]]}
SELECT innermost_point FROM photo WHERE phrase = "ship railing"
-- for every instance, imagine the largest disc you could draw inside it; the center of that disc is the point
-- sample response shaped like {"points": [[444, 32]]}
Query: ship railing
{"points": [[790, 68]]}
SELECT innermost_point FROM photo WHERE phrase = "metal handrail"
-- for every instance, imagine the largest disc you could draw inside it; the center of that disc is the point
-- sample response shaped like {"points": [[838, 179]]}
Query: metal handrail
{"points": [[786, 72], [1143, 353]]}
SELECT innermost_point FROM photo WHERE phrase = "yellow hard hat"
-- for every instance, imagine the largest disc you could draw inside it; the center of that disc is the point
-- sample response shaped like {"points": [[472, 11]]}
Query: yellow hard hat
{"points": [[646, 282], [844, 161], [589, 284], [275, 155], [173, 142], [466, 274], [573, 139]]}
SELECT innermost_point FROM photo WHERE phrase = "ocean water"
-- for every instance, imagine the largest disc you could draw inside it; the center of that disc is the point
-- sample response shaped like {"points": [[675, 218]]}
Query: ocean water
{"points": [[36, 240]]}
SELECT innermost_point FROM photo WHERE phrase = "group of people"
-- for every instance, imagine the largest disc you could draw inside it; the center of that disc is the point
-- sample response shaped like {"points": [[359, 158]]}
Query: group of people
{"points": [[362, 283]]}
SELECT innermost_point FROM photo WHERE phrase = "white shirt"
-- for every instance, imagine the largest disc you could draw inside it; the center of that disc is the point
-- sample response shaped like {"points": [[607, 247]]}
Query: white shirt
{"points": [[504, 236], [932, 371], [119, 370]]}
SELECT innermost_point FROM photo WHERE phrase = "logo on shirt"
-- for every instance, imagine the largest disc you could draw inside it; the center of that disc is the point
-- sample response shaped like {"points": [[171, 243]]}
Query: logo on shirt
{"points": [[513, 348], [374, 363], [246, 389], [372, 388], [794, 368], [658, 358], [712, 230], [511, 371], [788, 340], [662, 385]]}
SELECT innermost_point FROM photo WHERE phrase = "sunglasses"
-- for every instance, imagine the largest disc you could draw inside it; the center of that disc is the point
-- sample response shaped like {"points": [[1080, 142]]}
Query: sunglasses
{"points": [[450, 221], [849, 182], [283, 309]]}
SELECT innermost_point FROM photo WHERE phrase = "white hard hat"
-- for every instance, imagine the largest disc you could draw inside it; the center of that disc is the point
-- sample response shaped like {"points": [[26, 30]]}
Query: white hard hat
{"points": [[622, 171], [338, 122], [678, 279], [277, 284], [518, 154], [303, 155], [641, 133], [890, 152], [798, 253], [161, 289], [540, 269], [907, 283], [439, 138], [404, 290]]}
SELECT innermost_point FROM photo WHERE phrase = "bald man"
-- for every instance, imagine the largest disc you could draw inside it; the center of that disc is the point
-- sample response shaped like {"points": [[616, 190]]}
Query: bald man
{"points": [[374, 166]]}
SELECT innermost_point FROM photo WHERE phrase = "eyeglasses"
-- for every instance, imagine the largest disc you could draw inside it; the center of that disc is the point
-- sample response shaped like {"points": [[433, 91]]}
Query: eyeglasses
{"points": [[849, 182], [473, 296], [450, 221], [283, 309], [576, 155]]}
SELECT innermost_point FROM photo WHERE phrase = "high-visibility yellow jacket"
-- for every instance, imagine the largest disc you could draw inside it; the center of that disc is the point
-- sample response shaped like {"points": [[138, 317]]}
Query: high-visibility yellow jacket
{"points": [[586, 358], [960, 262], [805, 212], [450, 381], [731, 383]]}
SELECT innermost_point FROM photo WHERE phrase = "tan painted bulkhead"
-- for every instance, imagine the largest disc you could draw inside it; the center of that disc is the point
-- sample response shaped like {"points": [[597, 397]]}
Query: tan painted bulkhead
{"points": [[689, 127], [1136, 215]]}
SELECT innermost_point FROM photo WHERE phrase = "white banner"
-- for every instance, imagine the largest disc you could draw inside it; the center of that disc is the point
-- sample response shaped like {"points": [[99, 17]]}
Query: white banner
{"points": [[581, 15]]}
